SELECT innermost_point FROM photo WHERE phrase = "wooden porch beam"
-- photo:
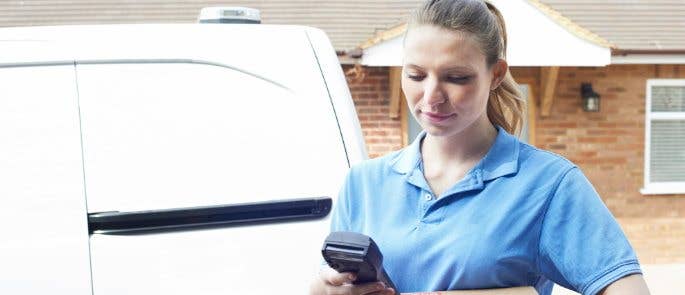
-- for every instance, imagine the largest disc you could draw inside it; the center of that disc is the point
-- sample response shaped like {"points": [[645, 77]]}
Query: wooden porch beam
{"points": [[395, 89], [548, 80], [404, 122]]}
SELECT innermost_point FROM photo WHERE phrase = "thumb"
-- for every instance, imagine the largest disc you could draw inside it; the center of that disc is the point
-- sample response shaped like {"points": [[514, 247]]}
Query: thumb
{"points": [[335, 278]]}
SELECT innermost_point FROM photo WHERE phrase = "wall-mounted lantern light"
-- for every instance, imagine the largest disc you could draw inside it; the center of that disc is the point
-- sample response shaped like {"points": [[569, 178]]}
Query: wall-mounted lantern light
{"points": [[590, 98]]}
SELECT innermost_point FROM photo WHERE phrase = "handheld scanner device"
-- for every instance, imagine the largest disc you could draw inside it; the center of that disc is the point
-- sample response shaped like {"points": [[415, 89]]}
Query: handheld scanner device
{"points": [[355, 252]]}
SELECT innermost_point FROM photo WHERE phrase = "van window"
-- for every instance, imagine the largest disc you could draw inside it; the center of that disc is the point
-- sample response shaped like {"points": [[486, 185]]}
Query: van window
{"points": [[159, 135]]}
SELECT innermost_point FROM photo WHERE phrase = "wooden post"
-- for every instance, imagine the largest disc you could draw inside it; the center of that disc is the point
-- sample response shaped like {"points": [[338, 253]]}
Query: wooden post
{"points": [[548, 80], [395, 89], [532, 113], [404, 121]]}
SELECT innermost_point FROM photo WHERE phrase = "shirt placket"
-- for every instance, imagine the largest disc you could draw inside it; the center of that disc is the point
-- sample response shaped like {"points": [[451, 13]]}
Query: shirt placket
{"points": [[426, 198], [430, 205]]}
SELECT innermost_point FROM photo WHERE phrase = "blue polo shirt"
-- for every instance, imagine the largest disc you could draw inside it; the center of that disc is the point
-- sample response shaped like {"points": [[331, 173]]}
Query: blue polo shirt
{"points": [[520, 217]]}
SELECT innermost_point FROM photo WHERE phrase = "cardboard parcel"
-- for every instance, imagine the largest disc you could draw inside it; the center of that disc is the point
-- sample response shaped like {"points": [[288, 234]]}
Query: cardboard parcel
{"points": [[502, 291]]}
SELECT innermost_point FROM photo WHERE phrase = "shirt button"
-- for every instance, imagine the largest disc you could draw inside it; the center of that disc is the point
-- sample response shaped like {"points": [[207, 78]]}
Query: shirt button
{"points": [[428, 197]]}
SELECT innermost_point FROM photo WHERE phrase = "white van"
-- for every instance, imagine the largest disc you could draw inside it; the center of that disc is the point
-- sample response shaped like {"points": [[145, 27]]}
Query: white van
{"points": [[248, 129]]}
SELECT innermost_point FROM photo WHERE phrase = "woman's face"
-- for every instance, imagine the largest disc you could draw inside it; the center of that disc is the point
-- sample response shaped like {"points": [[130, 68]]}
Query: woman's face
{"points": [[446, 80]]}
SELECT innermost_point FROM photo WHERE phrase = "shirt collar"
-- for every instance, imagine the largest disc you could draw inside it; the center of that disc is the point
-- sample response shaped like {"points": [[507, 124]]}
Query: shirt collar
{"points": [[409, 158], [501, 159]]}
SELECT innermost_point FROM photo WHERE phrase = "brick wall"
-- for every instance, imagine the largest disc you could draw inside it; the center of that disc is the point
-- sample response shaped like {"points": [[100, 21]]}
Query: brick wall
{"points": [[371, 99], [608, 146], [657, 239]]}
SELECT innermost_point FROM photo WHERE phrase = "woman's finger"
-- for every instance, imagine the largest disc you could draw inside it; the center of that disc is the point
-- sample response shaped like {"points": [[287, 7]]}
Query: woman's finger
{"points": [[335, 278], [374, 288]]}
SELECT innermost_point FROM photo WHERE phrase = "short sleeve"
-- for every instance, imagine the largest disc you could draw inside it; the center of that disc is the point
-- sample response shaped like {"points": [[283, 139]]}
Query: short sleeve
{"points": [[582, 246]]}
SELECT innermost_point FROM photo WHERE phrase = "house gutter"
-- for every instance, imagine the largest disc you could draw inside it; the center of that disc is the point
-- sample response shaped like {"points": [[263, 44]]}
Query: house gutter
{"points": [[648, 56], [624, 52]]}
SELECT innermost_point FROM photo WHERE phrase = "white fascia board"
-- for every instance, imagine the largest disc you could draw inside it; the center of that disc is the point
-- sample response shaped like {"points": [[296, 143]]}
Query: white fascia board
{"points": [[534, 40], [667, 59]]}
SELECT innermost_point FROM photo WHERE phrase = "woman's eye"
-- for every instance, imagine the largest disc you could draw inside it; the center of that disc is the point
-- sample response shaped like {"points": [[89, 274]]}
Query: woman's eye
{"points": [[458, 79], [415, 77]]}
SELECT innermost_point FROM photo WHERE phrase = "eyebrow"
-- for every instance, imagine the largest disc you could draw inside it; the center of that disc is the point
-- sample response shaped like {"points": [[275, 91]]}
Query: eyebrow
{"points": [[455, 68]]}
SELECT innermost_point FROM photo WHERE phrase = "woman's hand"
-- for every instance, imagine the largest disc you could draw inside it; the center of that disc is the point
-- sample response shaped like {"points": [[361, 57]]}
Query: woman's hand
{"points": [[330, 282]]}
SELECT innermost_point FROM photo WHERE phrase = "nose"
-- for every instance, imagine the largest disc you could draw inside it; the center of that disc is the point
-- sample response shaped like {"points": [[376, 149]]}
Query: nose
{"points": [[432, 93]]}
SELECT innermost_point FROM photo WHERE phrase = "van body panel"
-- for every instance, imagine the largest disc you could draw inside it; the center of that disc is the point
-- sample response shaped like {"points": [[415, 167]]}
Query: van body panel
{"points": [[340, 95], [183, 116], [248, 47], [160, 135], [44, 248]]}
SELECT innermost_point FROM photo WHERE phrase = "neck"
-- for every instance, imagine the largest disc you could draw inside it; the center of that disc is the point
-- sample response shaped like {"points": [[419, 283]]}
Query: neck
{"points": [[470, 145]]}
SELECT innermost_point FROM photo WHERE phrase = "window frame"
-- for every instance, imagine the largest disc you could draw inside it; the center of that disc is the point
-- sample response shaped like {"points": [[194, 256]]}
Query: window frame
{"points": [[659, 188], [531, 108]]}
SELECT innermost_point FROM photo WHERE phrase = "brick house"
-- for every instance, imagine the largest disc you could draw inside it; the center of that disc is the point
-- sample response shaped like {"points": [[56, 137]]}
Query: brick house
{"points": [[631, 149]]}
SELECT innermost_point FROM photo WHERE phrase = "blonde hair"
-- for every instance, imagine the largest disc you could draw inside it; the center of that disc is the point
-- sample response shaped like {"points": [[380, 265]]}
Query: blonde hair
{"points": [[485, 24]]}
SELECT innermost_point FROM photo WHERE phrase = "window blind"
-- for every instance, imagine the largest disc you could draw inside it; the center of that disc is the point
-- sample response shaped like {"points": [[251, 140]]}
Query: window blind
{"points": [[667, 153], [668, 99]]}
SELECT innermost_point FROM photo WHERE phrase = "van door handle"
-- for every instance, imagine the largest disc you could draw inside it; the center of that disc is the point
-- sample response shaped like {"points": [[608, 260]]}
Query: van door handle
{"points": [[137, 222]]}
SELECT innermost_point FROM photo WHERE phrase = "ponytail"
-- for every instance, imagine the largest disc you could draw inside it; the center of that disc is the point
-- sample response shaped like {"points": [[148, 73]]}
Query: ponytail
{"points": [[506, 104]]}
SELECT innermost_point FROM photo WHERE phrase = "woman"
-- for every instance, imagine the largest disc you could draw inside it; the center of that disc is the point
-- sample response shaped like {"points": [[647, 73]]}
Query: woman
{"points": [[467, 205]]}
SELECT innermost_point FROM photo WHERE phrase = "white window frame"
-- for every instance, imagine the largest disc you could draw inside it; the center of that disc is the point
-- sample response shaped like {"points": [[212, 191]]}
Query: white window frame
{"points": [[659, 188]]}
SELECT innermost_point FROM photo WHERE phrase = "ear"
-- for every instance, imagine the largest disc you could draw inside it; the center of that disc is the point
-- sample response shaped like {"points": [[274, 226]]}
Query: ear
{"points": [[499, 71]]}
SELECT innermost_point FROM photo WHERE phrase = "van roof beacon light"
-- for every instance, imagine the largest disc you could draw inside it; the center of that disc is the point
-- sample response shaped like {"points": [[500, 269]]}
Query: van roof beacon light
{"points": [[229, 15]]}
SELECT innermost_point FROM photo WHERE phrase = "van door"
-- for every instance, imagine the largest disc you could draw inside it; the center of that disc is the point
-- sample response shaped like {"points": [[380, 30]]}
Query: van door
{"points": [[43, 222], [180, 134]]}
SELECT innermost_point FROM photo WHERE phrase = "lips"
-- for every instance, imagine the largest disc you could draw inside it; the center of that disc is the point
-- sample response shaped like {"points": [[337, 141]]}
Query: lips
{"points": [[437, 117]]}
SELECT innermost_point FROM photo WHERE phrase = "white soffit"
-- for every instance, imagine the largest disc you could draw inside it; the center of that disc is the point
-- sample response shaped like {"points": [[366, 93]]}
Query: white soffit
{"points": [[535, 39]]}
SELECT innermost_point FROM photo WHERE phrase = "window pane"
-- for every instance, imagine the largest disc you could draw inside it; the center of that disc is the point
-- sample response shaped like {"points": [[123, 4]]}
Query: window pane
{"points": [[668, 99], [182, 135], [667, 151]]}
